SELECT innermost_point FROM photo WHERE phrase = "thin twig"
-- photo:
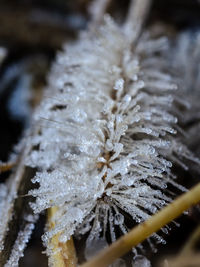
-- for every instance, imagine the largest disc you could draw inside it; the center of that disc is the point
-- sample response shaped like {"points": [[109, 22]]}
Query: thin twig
{"points": [[136, 17], [192, 260], [4, 167], [97, 10], [186, 256], [194, 238], [145, 229], [64, 253]]}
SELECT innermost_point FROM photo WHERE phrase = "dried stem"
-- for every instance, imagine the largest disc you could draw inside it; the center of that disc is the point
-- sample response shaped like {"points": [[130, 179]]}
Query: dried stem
{"points": [[64, 253], [146, 229], [185, 261], [97, 10], [189, 245], [4, 167], [136, 17], [187, 256]]}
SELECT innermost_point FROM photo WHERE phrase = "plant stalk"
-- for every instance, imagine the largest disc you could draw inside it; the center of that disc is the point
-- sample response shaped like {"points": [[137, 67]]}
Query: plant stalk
{"points": [[145, 229], [64, 253]]}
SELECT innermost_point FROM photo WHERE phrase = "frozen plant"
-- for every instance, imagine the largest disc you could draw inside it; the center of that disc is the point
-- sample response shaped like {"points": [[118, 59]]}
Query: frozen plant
{"points": [[106, 137]]}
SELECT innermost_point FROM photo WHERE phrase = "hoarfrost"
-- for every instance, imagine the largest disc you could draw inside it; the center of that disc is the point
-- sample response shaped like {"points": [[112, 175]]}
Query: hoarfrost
{"points": [[21, 241], [106, 142]]}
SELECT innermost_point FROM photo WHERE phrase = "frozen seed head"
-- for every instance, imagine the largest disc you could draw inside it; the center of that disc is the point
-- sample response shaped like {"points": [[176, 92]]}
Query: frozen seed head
{"points": [[107, 140]]}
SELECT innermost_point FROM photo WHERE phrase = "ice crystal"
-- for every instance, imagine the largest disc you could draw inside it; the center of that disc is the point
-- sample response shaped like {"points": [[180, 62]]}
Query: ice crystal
{"points": [[106, 138]]}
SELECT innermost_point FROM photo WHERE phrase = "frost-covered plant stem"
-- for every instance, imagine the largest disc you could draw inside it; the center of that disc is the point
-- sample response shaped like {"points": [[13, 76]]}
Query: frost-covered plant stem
{"points": [[97, 10], [64, 253], [137, 14], [135, 19], [146, 229], [107, 143]]}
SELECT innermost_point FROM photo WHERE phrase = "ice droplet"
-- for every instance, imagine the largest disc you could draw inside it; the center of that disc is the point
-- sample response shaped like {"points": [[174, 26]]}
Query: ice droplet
{"points": [[94, 246], [118, 219]]}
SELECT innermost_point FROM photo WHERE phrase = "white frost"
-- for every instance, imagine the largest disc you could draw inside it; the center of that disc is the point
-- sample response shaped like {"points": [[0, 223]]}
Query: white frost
{"points": [[107, 137]]}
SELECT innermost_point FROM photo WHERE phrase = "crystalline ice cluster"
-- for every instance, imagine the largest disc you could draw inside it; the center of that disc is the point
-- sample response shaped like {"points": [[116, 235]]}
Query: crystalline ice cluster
{"points": [[106, 137]]}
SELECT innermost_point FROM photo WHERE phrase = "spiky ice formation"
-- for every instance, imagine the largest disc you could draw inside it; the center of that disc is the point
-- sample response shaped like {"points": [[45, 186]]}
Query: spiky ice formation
{"points": [[107, 141]]}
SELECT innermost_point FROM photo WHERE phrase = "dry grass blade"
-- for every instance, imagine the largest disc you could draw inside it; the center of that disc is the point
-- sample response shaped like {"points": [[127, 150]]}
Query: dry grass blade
{"points": [[144, 230], [65, 254], [192, 260], [137, 14], [4, 167], [189, 245], [187, 256], [97, 11]]}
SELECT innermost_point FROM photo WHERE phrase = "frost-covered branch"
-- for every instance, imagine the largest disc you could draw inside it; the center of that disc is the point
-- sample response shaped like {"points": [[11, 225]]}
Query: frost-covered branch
{"points": [[64, 253]]}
